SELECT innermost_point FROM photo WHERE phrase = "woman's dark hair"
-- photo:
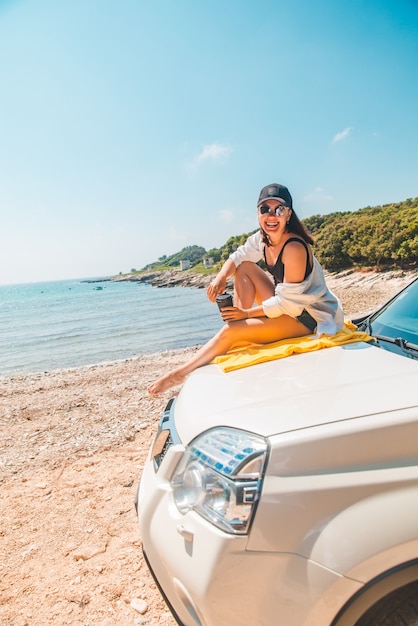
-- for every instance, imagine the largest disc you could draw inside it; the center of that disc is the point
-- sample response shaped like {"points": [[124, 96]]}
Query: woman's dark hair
{"points": [[295, 226]]}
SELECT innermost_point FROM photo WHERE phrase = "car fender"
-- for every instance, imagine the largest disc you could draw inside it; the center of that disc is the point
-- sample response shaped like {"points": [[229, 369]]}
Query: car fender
{"points": [[385, 538]]}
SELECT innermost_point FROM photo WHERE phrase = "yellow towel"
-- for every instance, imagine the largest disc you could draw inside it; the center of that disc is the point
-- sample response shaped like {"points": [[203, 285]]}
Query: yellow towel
{"points": [[259, 353]]}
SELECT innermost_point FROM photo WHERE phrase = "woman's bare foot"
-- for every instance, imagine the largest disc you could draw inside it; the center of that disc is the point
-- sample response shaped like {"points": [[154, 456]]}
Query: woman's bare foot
{"points": [[165, 382]]}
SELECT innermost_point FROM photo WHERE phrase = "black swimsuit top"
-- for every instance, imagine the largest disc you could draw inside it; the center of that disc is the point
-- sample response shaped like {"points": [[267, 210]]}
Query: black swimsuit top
{"points": [[277, 270]]}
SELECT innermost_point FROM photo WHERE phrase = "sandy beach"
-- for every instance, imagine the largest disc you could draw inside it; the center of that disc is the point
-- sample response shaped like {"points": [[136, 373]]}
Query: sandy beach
{"points": [[72, 446]]}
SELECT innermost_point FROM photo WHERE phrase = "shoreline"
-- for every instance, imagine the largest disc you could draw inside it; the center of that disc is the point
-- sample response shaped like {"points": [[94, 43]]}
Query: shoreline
{"points": [[360, 293]]}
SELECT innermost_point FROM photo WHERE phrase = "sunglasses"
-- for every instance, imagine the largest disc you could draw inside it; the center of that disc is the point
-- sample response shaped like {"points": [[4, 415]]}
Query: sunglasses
{"points": [[278, 210]]}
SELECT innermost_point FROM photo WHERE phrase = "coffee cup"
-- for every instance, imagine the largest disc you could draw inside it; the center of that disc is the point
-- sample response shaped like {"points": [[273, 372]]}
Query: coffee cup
{"points": [[223, 300]]}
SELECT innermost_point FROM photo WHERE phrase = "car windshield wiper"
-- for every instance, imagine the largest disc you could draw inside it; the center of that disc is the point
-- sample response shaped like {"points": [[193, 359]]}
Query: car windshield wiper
{"points": [[406, 346]]}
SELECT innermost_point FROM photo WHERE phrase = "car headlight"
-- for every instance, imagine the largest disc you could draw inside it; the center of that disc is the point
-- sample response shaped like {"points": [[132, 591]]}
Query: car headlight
{"points": [[219, 476]]}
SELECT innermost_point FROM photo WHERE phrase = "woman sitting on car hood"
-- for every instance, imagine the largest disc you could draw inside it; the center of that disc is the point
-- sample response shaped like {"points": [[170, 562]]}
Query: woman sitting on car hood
{"points": [[291, 300]]}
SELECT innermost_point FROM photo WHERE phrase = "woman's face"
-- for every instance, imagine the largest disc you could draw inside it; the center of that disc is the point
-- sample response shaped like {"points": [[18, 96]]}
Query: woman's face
{"points": [[273, 216]]}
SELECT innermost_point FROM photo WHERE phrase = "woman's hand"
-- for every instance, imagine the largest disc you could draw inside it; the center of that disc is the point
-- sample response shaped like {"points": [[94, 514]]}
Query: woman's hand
{"points": [[215, 287], [233, 314]]}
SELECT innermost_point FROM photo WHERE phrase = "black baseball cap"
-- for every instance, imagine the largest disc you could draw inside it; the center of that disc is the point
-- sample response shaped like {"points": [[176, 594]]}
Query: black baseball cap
{"points": [[275, 192]]}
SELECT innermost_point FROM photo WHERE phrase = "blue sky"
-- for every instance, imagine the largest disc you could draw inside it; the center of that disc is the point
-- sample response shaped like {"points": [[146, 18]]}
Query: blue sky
{"points": [[131, 129]]}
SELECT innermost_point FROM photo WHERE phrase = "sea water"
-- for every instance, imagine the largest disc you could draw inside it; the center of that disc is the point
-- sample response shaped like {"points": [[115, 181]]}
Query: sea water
{"points": [[63, 324]]}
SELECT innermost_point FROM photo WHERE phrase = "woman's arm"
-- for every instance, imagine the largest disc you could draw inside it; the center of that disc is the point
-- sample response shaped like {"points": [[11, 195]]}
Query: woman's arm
{"points": [[235, 313], [251, 250], [218, 284], [295, 261]]}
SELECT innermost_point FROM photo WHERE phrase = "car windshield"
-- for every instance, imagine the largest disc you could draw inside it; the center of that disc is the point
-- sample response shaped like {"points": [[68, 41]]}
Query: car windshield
{"points": [[398, 319]]}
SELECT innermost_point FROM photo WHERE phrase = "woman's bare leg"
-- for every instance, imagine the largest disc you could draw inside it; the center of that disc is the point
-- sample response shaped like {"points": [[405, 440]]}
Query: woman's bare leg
{"points": [[251, 284], [253, 330]]}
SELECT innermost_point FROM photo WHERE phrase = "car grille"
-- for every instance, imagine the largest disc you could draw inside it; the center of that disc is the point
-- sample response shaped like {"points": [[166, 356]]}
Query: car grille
{"points": [[166, 435]]}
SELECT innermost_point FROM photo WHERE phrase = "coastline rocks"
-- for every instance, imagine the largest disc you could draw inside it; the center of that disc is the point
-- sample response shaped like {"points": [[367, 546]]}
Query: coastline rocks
{"points": [[350, 279], [168, 278]]}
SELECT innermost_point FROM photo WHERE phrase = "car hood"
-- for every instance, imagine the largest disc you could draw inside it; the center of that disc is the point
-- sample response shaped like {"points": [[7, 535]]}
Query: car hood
{"points": [[299, 391]]}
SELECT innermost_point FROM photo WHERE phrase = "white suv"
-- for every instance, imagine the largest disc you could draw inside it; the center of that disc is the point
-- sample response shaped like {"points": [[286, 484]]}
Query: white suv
{"points": [[286, 493]]}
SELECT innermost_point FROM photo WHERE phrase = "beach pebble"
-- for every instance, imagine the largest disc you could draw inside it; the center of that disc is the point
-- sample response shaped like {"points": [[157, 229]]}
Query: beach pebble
{"points": [[139, 605]]}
